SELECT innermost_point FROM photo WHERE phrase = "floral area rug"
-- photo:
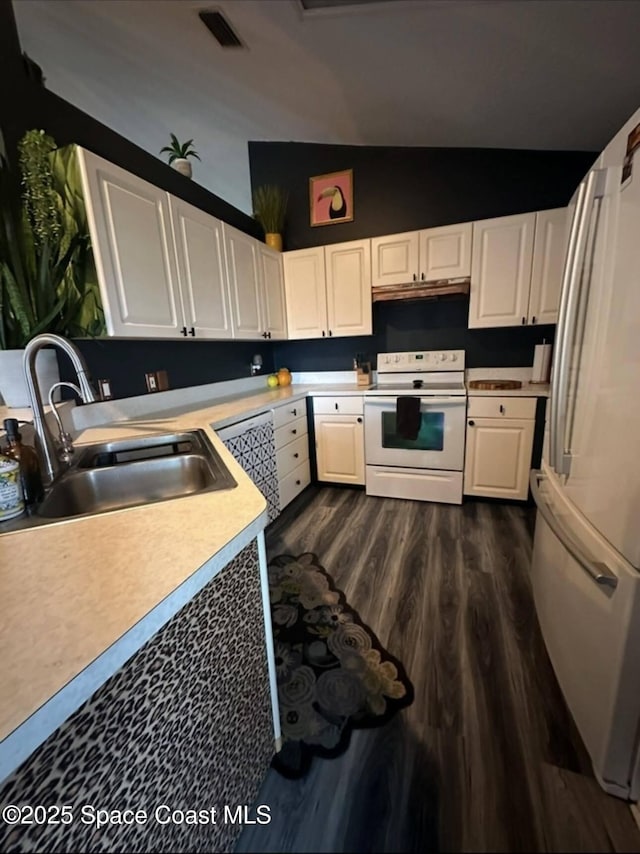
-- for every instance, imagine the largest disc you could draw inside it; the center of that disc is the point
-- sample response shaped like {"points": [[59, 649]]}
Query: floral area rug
{"points": [[333, 674]]}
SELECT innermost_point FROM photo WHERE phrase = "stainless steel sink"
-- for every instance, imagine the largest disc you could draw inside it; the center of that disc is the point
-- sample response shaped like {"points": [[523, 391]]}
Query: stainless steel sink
{"points": [[130, 472]]}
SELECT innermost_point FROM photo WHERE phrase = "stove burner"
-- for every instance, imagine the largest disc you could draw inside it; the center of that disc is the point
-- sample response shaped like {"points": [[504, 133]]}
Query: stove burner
{"points": [[417, 383]]}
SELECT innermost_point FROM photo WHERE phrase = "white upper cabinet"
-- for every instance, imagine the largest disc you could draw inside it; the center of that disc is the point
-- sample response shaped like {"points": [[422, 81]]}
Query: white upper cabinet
{"points": [[548, 261], [199, 245], [274, 309], [243, 273], [422, 256], [328, 290], [348, 277], [445, 253], [516, 269], [501, 270], [305, 289], [134, 250], [394, 258]]}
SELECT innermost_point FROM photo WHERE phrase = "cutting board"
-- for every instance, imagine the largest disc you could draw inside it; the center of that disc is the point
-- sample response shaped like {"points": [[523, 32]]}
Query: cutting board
{"points": [[494, 385]]}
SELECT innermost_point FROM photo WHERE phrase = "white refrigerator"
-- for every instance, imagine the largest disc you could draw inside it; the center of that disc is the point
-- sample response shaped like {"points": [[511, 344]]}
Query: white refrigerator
{"points": [[586, 557]]}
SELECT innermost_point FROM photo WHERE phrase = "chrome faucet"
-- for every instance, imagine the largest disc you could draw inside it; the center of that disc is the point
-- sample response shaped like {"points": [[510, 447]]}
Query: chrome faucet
{"points": [[52, 464]]}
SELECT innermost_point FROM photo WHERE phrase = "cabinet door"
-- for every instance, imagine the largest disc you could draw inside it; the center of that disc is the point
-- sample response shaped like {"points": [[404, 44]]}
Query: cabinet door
{"points": [[272, 281], [340, 448], [133, 246], [201, 269], [548, 260], [304, 284], [498, 457], [241, 251], [501, 270], [445, 253], [348, 272], [394, 258]]}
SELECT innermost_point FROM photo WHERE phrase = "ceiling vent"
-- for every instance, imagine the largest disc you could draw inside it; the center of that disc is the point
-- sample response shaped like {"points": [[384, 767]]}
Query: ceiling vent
{"points": [[220, 28], [336, 5]]}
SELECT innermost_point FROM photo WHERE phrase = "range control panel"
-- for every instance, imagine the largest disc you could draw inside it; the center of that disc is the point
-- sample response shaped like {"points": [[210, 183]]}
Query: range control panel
{"points": [[421, 360]]}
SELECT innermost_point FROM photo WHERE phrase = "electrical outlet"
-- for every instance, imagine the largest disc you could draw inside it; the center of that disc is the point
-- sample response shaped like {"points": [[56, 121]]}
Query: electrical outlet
{"points": [[157, 380], [104, 387]]}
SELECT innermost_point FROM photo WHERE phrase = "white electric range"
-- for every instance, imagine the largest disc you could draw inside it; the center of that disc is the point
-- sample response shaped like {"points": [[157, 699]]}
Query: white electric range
{"points": [[429, 466]]}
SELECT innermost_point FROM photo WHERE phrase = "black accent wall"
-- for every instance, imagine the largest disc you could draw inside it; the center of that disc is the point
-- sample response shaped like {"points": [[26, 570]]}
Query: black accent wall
{"points": [[418, 325], [403, 189]]}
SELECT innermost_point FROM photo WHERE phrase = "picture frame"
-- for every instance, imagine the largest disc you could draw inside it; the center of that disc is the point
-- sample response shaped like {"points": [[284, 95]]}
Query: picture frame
{"points": [[327, 207]]}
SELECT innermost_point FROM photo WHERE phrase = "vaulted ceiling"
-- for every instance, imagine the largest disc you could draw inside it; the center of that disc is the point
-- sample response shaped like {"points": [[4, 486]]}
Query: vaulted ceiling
{"points": [[545, 74]]}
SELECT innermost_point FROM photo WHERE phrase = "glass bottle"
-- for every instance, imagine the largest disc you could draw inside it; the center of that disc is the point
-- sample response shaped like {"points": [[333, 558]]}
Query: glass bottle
{"points": [[27, 457]]}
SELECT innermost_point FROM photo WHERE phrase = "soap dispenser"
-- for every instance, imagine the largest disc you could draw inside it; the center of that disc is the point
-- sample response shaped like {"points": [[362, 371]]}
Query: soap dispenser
{"points": [[27, 459]]}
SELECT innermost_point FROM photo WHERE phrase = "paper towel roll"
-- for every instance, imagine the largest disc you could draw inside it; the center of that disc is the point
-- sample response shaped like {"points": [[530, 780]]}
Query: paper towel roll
{"points": [[541, 363]]}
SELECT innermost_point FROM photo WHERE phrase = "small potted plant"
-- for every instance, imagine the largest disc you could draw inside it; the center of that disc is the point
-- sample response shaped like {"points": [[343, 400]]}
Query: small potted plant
{"points": [[270, 208], [178, 154]]}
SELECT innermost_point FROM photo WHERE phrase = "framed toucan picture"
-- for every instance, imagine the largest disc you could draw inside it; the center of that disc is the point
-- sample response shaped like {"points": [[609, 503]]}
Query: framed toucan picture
{"points": [[331, 198]]}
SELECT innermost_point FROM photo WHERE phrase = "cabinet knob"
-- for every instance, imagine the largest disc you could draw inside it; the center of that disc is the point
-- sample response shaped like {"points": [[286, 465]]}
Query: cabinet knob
{"points": [[294, 432], [336, 405], [297, 483], [330, 333], [422, 276], [524, 320], [471, 423], [359, 420], [533, 319], [294, 412], [323, 333], [264, 334], [183, 331], [296, 455], [502, 409], [192, 332], [414, 277]]}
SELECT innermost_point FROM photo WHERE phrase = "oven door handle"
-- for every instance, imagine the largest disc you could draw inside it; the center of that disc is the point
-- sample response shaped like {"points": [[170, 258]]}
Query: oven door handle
{"points": [[425, 401]]}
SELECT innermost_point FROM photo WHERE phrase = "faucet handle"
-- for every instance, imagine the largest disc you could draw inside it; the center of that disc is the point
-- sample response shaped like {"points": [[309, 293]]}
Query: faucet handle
{"points": [[65, 448]]}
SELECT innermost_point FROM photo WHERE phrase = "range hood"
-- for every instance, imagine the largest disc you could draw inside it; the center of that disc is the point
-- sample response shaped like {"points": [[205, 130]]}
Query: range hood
{"points": [[420, 290]]}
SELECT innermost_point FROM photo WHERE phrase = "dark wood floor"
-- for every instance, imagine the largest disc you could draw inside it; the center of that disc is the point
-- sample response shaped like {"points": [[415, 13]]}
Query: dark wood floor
{"points": [[487, 757]]}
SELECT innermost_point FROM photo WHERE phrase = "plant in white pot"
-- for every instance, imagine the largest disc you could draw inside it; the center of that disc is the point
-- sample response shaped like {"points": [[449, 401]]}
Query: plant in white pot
{"points": [[179, 152], [42, 264]]}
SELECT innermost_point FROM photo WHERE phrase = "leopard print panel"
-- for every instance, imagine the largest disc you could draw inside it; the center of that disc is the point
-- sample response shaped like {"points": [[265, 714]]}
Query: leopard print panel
{"points": [[185, 722]]}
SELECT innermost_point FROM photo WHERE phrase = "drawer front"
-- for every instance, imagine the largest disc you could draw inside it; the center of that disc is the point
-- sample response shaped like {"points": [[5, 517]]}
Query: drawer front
{"points": [[294, 483], [285, 414], [502, 407], [339, 405], [292, 455], [293, 430]]}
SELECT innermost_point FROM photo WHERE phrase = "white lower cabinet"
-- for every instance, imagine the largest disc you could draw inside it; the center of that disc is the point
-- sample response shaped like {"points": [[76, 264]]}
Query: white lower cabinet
{"points": [[292, 450], [339, 428], [499, 446]]}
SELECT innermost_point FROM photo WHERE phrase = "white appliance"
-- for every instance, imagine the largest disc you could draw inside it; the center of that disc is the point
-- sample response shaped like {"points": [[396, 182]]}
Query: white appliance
{"points": [[586, 557], [429, 466]]}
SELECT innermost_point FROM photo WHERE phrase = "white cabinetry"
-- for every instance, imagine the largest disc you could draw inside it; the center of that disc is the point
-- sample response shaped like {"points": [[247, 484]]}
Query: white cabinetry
{"points": [[292, 450], [426, 256], [339, 430], [516, 269], [201, 271], [328, 290], [548, 260], [499, 446], [134, 250], [168, 269]]}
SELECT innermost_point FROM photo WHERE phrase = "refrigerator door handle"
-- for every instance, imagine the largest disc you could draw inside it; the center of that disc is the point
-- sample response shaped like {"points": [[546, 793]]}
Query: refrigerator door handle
{"points": [[594, 189], [595, 569], [568, 276]]}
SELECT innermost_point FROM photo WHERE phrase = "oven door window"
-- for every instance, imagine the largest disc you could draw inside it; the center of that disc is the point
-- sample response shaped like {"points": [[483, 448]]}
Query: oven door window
{"points": [[430, 436]]}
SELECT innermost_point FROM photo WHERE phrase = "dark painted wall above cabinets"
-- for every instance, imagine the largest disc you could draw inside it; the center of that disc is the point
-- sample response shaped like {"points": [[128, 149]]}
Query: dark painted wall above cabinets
{"points": [[418, 325], [403, 189]]}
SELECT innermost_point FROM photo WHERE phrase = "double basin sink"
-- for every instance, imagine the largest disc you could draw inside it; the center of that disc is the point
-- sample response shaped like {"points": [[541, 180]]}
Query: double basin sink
{"points": [[130, 472]]}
